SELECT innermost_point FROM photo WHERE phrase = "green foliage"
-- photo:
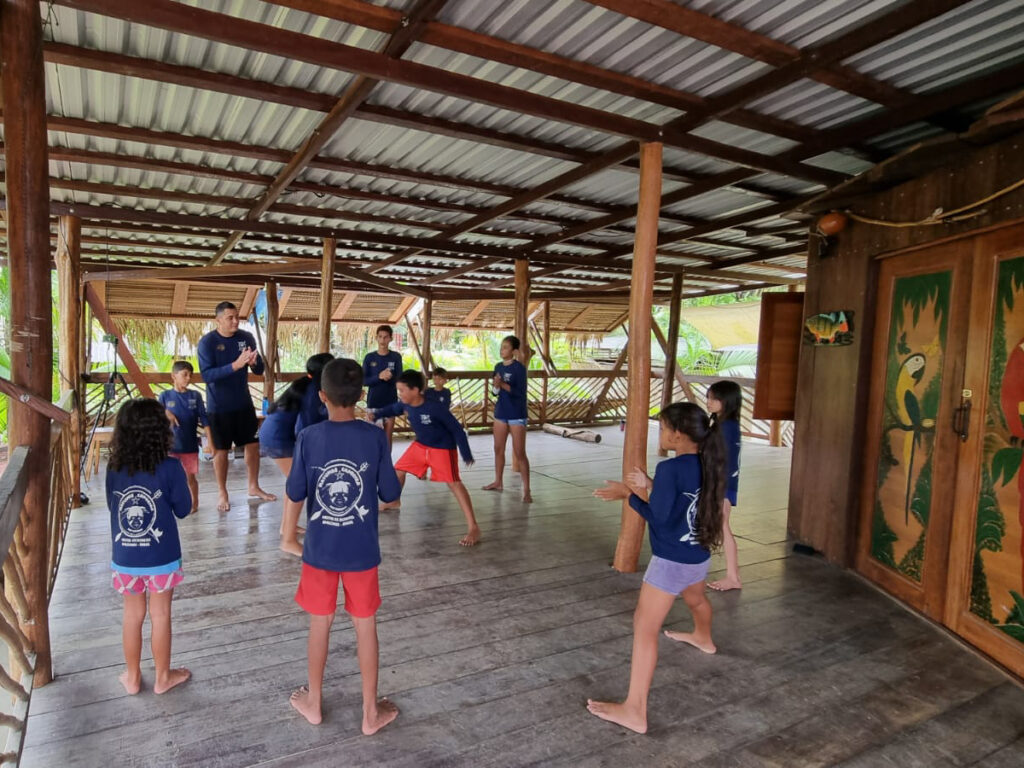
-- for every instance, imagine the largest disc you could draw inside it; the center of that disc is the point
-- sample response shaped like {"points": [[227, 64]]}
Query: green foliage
{"points": [[1014, 625], [918, 291], [988, 535], [882, 538], [1006, 464], [912, 562], [981, 601], [921, 501]]}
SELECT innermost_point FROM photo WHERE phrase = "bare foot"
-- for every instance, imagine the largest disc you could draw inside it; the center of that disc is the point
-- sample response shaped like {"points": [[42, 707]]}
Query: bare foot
{"points": [[174, 677], [470, 538], [258, 493], [132, 683], [292, 547], [299, 531], [194, 510], [724, 585], [495, 486], [688, 637], [397, 504], [617, 713], [527, 498], [374, 721], [223, 504], [305, 706]]}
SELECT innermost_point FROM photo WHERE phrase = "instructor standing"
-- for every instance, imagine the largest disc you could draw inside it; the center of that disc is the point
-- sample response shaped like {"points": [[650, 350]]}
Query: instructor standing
{"points": [[225, 355]]}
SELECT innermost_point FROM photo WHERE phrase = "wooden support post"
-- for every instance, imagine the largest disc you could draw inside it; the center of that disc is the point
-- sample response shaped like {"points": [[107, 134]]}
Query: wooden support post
{"points": [[270, 345], [69, 337], [522, 305], [326, 295], [634, 451], [415, 344], [687, 387], [28, 253], [775, 433], [668, 380], [428, 363], [135, 373], [546, 345]]}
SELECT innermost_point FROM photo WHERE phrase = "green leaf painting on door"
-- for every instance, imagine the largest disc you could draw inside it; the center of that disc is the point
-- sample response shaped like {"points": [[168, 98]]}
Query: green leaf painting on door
{"points": [[913, 386], [997, 583]]}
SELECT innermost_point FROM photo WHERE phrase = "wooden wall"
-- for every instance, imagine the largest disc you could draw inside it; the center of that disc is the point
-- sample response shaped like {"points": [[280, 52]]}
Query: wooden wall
{"points": [[832, 383]]}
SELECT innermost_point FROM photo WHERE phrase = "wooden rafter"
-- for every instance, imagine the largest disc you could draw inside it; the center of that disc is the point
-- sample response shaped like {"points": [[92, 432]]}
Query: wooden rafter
{"points": [[99, 311], [347, 300]]}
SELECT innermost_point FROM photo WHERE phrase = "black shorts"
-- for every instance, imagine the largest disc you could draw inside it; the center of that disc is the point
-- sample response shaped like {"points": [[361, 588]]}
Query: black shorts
{"points": [[233, 427]]}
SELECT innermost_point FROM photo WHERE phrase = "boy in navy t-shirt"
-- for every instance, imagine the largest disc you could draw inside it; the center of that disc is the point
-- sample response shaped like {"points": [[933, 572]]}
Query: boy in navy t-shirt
{"points": [[437, 435], [340, 467], [186, 412], [380, 372], [439, 391]]}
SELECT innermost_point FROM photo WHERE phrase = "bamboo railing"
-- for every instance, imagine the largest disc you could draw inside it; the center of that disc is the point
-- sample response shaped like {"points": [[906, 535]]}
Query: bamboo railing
{"points": [[18, 669], [572, 397]]}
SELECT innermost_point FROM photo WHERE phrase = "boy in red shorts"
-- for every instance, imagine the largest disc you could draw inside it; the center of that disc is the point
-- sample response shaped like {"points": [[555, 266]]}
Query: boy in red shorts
{"points": [[437, 434], [341, 467], [186, 412]]}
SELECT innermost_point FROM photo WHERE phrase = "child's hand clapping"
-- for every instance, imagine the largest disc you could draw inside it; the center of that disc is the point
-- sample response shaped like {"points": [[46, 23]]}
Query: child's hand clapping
{"points": [[638, 479], [613, 491]]}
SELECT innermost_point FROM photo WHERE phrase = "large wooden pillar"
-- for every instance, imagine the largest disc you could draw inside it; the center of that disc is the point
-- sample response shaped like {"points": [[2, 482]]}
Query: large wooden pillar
{"points": [[522, 315], [326, 295], [634, 452], [270, 347], [668, 381], [69, 337], [425, 319], [28, 249]]}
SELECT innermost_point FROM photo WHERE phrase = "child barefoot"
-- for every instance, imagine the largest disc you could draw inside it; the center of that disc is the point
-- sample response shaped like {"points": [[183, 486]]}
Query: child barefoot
{"points": [[685, 518], [380, 373], [298, 407], [725, 399], [341, 466], [146, 491], [437, 434], [186, 412], [510, 415]]}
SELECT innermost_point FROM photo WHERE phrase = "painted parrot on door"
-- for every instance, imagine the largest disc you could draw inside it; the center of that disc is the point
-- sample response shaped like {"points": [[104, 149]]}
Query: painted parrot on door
{"points": [[908, 411], [1012, 398]]}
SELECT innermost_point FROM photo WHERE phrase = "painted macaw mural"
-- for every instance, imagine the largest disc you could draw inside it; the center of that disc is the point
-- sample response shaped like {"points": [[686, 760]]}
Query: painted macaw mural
{"points": [[913, 383], [997, 584]]}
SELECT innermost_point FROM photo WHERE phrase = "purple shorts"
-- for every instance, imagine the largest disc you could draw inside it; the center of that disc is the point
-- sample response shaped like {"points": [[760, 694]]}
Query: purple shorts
{"points": [[135, 584], [672, 577]]}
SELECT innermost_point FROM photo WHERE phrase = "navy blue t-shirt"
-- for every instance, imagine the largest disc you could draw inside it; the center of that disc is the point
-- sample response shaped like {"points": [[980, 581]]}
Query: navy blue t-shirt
{"points": [[226, 390], [278, 429], [143, 507], [341, 468], [380, 393], [190, 412], [731, 438], [442, 396], [671, 514], [512, 404], [434, 425], [313, 410]]}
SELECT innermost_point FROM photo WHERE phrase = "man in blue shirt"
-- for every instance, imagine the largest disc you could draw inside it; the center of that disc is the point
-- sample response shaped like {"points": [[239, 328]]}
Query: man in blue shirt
{"points": [[380, 372], [225, 356]]}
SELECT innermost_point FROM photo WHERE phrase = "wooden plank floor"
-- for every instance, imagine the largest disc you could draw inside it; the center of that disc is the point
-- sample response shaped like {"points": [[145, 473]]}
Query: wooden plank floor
{"points": [[490, 653]]}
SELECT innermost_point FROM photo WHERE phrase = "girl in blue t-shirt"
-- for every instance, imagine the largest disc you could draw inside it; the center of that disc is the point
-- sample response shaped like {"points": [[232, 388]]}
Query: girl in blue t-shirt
{"points": [[510, 416], [297, 407], [684, 514], [146, 492], [725, 399]]}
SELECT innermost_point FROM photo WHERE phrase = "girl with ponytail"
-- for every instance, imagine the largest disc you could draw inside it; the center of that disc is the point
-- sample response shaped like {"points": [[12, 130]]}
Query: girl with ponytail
{"points": [[683, 508], [725, 400]]}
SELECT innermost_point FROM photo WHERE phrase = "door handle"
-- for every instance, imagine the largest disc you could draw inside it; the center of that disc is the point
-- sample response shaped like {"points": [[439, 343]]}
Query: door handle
{"points": [[962, 417]]}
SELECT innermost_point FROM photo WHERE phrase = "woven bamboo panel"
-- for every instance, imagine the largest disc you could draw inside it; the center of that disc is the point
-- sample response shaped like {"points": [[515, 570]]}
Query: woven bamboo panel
{"points": [[302, 305], [150, 298], [203, 298], [451, 313], [372, 308]]}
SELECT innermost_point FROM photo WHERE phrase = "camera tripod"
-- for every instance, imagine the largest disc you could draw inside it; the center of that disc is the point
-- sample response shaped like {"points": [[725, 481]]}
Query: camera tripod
{"points": [[109, 396]]}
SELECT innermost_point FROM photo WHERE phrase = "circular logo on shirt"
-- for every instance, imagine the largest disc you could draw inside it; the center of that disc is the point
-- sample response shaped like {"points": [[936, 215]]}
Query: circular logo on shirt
{"points": [[338, 490], [136, 515]]}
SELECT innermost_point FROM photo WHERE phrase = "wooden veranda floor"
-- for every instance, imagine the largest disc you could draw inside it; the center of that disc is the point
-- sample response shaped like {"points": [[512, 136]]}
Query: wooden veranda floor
{"points": [[490, 653]]}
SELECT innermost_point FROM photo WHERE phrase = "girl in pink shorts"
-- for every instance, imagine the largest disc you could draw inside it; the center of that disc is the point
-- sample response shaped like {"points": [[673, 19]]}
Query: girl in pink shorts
{"points": [[146, 492]]}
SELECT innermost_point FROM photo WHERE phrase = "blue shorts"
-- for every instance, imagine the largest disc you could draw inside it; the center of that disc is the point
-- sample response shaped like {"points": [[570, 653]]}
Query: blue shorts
{"points": [[512, 422], [672, 577]]}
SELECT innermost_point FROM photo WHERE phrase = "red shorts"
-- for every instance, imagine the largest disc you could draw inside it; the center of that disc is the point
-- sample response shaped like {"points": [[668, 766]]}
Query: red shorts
{"points": [[443, 463], [318, 591], [189, 462]]}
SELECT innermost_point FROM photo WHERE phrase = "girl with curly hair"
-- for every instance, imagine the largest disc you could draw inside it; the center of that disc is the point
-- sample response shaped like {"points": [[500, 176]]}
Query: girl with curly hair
{"points": [[146, 491]]}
